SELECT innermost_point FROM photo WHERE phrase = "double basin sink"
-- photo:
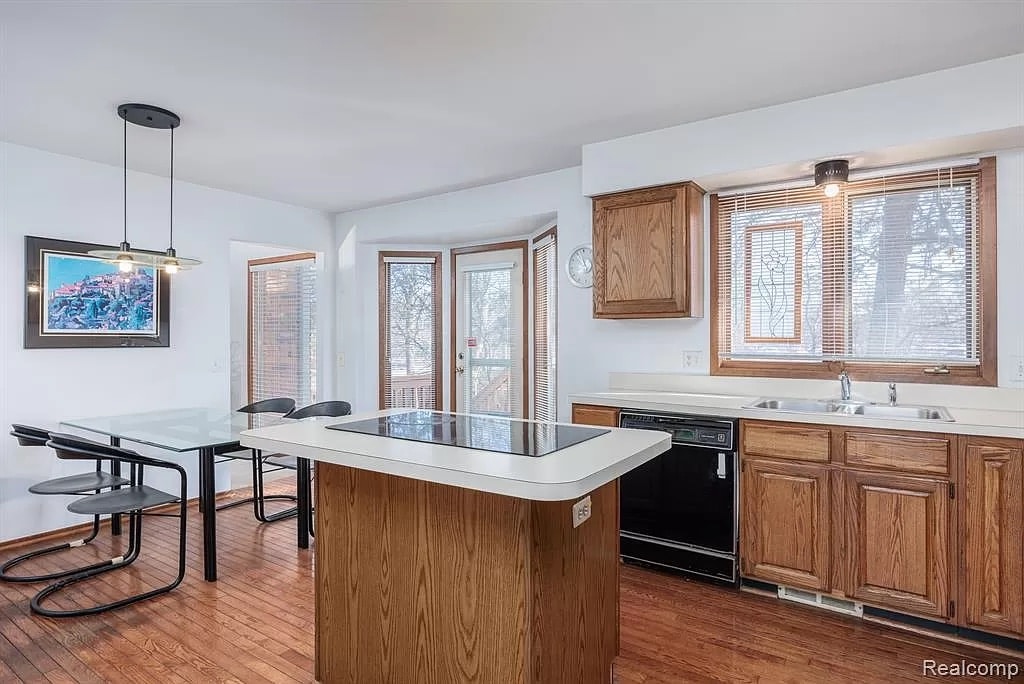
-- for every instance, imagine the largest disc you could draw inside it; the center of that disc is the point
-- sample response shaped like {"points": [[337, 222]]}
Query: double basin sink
{"points": [[854, 408]]}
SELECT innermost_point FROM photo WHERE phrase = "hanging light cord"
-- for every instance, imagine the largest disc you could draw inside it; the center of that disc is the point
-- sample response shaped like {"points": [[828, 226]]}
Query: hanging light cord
{"points": [[126, 180], [171, 231]]}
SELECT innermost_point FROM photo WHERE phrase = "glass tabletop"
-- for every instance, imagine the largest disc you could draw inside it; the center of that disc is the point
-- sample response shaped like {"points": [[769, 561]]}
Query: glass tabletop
{"points": [[185, 429]]}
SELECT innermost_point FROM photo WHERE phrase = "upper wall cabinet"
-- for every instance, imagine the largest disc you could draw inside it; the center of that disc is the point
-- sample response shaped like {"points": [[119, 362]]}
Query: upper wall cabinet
{"points": [[648, 253]]}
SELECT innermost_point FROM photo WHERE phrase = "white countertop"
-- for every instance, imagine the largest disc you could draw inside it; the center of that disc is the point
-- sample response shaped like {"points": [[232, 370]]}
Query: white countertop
{"points": [[561, 475], [990, 423]]}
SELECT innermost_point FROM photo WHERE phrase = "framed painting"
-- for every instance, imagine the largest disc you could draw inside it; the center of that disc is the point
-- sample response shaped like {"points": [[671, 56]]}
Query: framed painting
{"points": [[73, 300]]}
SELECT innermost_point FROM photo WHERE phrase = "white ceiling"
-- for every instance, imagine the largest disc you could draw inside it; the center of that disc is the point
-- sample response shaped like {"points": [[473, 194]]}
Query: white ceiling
{"points": [[337, 106]]}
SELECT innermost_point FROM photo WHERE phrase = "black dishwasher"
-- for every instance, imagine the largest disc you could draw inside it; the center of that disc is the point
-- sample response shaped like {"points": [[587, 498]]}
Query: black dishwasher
{"points": [[679, 510]]}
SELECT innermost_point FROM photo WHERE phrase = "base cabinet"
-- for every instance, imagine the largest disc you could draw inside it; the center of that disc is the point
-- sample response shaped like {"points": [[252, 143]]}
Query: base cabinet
{"points": [[794, 548], [605, 416], [991, 531], [897, 550]]}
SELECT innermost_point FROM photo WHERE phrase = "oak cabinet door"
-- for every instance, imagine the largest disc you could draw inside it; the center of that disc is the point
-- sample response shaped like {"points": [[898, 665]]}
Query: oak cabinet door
{"points": [[785, 533], [648, 254], [897, 551], [992, 531], [604, 416]]}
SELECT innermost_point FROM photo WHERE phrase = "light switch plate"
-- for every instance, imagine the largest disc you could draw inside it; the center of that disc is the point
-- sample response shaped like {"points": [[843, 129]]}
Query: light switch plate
{"points": [[581, 511], [1017, 369]]}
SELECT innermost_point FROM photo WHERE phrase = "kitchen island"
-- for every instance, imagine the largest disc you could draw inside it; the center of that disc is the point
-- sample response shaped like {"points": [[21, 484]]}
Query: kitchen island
{"points": [[483, 562]]}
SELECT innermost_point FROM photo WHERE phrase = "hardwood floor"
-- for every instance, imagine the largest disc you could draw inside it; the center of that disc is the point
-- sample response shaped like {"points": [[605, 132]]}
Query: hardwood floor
{"points": [[256, 624]]}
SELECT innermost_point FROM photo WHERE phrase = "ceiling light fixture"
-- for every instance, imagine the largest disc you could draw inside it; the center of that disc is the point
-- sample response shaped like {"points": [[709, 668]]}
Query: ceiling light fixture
{"points": [[831, 174], [148, 116]]}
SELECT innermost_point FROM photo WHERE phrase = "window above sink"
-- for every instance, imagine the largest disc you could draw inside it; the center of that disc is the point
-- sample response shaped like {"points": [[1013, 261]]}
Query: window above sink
{"points": [[888, 279]]}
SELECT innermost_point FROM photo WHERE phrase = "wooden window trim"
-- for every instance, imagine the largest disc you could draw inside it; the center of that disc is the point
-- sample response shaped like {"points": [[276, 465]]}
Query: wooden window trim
{"points": [[551, 232], [382, 316], [983, 374], [300, 256], [250, 342], [524, 247]]}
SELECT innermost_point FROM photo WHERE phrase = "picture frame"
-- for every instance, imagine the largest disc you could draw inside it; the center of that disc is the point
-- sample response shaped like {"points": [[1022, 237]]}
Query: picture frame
{"points": [[74, 300]]}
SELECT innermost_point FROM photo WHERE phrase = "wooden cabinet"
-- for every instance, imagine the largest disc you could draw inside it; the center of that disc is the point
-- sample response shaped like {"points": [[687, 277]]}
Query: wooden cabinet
{"points": [[648, 253], [868, 514], [785, 535], [992, 533], [897, 550], [788, 441], [903, 451], [604, 416]]}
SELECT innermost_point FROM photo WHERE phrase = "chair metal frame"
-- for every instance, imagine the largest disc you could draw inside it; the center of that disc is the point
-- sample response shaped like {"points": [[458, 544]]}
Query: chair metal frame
{"points": [[284, 406], [33, 436], [76, 448], [323, 409]]}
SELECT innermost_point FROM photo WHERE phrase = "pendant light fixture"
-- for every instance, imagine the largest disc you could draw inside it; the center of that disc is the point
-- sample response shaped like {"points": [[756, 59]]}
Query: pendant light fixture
{"points": [[831, 174], [148, 116]]}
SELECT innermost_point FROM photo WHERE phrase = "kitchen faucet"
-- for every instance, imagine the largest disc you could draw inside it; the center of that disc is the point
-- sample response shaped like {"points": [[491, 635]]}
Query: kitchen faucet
{"points": [[844, 386]]}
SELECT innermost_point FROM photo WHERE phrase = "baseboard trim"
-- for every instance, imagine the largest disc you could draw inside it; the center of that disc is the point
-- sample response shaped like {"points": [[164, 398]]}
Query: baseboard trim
{"points": [[78, 530]]}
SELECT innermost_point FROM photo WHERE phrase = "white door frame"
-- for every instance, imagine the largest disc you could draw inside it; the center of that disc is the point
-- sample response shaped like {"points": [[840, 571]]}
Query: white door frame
{"points": [[524, 247]]}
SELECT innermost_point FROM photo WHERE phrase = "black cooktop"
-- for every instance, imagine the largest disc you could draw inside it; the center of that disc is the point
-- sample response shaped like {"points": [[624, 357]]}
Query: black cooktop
{"points": [[474, 432]]}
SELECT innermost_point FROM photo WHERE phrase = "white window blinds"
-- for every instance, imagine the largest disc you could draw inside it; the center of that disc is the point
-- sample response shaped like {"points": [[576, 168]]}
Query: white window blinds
{"points": [[545, 279], [885, 272], [410, 329], [282, 328]]}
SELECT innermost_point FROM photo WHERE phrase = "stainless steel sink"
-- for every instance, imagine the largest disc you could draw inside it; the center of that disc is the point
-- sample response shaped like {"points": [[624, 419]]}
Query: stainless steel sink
{"points": [[800, 405], [854, 408], [906, 412]]}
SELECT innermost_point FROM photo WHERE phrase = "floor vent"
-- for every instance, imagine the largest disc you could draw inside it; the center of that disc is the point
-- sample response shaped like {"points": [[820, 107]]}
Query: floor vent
{"points": [[810, 598]]}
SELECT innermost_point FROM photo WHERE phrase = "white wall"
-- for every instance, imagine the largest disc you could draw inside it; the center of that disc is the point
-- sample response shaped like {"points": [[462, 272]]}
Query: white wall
{"points": [[949, 111], [591, 349], [50, 195]]}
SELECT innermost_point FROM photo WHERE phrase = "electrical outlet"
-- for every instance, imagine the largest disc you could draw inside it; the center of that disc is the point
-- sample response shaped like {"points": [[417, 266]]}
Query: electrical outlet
{"points": [[692, 358], [581, 511], [341, 359]]}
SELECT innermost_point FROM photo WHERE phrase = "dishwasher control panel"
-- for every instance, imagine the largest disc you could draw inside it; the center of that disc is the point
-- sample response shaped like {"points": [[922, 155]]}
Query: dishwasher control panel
{"points": [[693, 430]]}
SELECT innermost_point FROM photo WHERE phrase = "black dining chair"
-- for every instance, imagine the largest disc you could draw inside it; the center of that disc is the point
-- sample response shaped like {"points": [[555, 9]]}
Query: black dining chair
{"points": [[136, 499], [72, 485], [323, 409], [282, 406]]}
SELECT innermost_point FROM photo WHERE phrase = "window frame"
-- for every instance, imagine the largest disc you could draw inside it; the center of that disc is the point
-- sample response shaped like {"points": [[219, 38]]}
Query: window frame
{"points": [[985, 373], [382, 286], [551, 352], [251, 322]]}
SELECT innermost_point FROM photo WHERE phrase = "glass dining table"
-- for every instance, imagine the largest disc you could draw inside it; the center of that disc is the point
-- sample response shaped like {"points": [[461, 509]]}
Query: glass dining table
{"points": [[209, 432]]}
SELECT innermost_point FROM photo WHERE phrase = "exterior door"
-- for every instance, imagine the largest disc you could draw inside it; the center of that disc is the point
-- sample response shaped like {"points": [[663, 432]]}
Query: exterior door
{"points": [[785, 532], [898, 542], [489, 336]]}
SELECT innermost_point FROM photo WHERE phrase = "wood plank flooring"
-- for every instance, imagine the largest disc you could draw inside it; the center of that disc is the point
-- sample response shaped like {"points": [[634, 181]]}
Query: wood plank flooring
{"points": [[256, 624]]}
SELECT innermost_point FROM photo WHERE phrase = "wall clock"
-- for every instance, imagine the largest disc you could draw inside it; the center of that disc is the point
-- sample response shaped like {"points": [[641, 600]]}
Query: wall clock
{"points": [[580, 266]]}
